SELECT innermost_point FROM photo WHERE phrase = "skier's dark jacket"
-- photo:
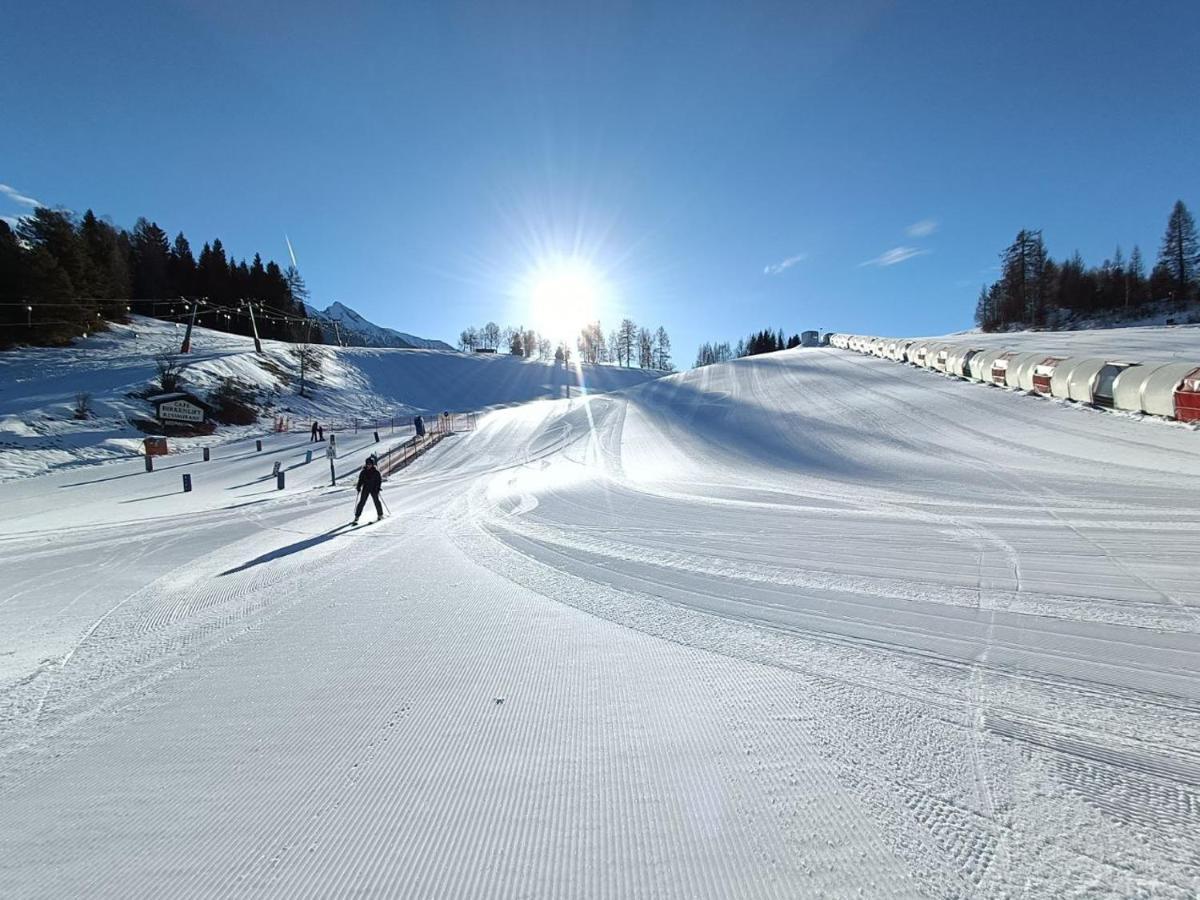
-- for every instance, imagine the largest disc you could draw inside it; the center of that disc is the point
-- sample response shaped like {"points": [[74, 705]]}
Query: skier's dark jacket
{"points": [[370, 480]]}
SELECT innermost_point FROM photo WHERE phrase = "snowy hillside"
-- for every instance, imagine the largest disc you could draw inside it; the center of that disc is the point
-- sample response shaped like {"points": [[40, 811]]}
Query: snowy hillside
{"points": [[358, 331], [38, 387], [805, 624]]}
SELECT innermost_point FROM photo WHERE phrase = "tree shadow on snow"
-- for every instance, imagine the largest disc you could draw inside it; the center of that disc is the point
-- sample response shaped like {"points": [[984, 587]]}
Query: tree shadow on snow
{"points": [[270, 476], [288, 550], [139, 472], [174, 493]]}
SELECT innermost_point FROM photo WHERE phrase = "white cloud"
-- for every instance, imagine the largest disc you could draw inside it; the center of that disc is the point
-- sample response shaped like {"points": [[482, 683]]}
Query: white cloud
{"points": [[895, 255], [17, 197], [921, 229], [776, 268]]}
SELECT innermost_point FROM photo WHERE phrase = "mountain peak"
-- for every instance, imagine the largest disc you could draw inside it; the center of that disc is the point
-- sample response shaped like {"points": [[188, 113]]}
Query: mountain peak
{"points": [[355, 330]]}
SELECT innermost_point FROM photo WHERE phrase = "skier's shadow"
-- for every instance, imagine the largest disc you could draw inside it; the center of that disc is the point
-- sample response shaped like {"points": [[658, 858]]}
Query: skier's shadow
{"points": [[288, 550]]}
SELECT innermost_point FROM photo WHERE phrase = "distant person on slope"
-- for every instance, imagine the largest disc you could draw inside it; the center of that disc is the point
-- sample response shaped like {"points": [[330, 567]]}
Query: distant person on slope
{"points": [[313, 436], [370, 482]]}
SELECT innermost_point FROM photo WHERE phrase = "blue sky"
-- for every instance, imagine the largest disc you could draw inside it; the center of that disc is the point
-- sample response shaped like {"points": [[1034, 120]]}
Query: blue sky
{"points": [[726, 166]]}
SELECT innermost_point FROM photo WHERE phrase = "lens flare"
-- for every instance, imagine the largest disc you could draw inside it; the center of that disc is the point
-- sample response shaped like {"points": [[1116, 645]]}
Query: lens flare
{"points": [[563, 296]]}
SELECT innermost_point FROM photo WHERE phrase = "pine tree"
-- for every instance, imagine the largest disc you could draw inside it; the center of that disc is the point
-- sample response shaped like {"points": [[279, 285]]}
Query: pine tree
{"points": [[627, 339], [212, 272], [1135, 279], [11, 268], [591, 343], [985, 316], [95, 260], [258, 278], [107, 264], [1180, 254], [53, 230], [297, 289], [181, 269], [151, 252], [662, 350], [645, 341], [1023, 277]]}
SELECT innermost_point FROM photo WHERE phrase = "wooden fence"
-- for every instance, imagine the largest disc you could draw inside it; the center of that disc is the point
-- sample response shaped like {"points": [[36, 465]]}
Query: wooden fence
{"points": [[401, 455]]}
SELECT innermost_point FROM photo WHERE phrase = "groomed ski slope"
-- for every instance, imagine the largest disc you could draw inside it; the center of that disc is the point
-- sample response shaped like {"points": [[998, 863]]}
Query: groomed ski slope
{"points": [[808, 624]]}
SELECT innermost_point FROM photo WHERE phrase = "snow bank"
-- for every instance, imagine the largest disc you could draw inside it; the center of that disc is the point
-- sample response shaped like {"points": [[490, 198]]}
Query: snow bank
{"points": [[1146, 344]]}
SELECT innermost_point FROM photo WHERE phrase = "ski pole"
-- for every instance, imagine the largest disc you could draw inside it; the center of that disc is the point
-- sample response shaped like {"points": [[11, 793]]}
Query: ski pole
{"points": [[386, 508]]}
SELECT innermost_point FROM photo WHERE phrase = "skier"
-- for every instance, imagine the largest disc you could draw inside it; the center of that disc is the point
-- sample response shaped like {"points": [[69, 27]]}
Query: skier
{"points": [[313, 436], [321, 433], [369, 484]]}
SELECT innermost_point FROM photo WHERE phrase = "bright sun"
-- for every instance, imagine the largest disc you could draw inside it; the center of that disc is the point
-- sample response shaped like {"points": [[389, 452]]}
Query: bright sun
{"points": [[564, 295]]}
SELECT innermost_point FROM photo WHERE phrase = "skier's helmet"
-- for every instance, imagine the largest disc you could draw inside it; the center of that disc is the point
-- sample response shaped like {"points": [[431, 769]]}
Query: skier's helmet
{"points": [[371, 460]]}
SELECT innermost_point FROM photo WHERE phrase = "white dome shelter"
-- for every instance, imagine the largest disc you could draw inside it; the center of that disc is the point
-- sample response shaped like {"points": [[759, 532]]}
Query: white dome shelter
{"points": [[917, 352], [959, 361], [1091, 380], [1040, 373], [1060, 378], [1102, 383], [1020, 370], [1158, 390], [1127, 387], [981, 364], [932, 350], [941, 356], [1000, 364]]}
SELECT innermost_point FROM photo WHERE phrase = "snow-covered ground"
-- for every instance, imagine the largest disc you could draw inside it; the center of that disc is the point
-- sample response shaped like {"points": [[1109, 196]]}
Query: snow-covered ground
{"points": [[805, 624], [1180, 343], [38, 387]]}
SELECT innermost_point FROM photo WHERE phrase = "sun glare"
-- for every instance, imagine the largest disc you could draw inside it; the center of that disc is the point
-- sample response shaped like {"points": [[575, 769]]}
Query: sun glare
{"points": [[564, 295]]}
